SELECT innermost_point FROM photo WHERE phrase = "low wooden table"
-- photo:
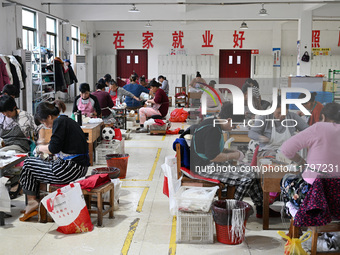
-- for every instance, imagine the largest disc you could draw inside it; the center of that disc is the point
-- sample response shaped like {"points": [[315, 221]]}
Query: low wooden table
{"points": [[8, 164], [93, 131], [240, 136]]}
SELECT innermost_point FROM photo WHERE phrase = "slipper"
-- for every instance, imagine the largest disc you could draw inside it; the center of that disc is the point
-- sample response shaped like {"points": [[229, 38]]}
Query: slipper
{"points": [[29, 215], [22, 211]]}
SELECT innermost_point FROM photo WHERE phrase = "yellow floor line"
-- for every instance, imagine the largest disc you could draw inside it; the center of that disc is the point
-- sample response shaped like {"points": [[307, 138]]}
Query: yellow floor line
{"points": [[172, 245], [163, 137], [142, 199], [140, 187], [153, 169], [129, 236]]}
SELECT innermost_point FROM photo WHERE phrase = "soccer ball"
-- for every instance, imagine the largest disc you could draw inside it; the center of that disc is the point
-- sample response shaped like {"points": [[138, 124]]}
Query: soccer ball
{"points": [[108, 133], [252, 145]]}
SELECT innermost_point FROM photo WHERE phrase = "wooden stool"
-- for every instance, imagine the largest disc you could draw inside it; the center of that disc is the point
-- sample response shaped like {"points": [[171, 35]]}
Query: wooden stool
{"points": [[100, 203], [99, 191], [294, 232]]}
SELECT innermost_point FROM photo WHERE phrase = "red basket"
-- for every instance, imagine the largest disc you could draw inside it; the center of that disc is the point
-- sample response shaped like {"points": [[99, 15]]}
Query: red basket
{"points": [[223, 234]]}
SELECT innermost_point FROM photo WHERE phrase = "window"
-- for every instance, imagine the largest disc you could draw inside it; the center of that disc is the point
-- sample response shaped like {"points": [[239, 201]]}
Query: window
{"points": [[29, 29], [51, 35], [75, 40]]}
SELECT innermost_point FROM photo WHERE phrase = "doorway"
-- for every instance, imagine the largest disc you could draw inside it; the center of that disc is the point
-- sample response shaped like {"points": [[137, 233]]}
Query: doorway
{"points": [[235, 66], [129, 62]]}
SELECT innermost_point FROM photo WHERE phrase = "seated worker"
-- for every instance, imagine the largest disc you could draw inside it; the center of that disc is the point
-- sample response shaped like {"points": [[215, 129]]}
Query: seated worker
{"points": [[10, 90], [271, 136], [104, 99], [249, 115], [142, 81], [160, 105], [313, 107], [322, 140], [197, 82], [86, 103], [209, 159], [165, 84], [68, 141], [136, 90], [213, 102], [117, 92], [16, 127]]}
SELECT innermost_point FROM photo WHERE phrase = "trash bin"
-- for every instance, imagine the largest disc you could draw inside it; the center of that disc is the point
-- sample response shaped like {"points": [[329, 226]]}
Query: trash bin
{"points": [[230, 218], [113, 172], [118, 160]]}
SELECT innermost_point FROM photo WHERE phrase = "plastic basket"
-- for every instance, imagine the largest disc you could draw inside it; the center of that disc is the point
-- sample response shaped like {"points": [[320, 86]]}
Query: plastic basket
{"points": [[323, 97], [103, 149], [194, 228], [195, 199]]}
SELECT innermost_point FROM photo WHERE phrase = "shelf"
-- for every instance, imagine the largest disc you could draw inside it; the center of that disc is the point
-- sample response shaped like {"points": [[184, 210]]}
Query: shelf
{"points": [[47, 73]]}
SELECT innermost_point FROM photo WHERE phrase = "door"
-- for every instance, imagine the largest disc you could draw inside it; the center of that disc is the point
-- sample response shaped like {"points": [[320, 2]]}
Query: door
{"points": [[129, 62], [234, 66]]}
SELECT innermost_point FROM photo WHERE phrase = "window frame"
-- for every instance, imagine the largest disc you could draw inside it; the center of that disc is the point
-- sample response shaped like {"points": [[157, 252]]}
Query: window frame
{"points": [[76, 40], [31, 29], [48, 33]]}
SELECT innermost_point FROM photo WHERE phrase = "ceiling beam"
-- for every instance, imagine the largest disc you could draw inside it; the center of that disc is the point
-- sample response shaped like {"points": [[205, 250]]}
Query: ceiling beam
{"points": [[197, 3]]}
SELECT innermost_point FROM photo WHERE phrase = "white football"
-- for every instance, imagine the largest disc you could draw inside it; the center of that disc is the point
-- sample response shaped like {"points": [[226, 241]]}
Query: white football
{"points": [[252, 145], [108, 133]]}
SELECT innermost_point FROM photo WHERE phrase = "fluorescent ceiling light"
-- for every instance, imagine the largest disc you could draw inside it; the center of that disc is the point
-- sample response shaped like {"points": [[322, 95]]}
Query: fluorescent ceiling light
{"points": [[244, 25], [134, 9], [263, 11]]}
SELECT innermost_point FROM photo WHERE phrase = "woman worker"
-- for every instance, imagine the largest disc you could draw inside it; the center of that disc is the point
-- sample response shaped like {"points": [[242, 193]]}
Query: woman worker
{"points": [[86, 103], [16, 127], [136, 90], [68, 142], [270, 132], [322, 140], [165, 84], [313, 107], [160, 105], [117, 92]]}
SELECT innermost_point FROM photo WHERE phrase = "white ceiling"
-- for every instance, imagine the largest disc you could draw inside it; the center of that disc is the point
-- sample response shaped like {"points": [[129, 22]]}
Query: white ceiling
{"points": [[191, 10]]}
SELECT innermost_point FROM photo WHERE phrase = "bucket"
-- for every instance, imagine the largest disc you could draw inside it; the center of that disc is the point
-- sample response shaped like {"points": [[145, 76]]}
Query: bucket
{"points": [[118, 160], [113, 172], [229, 212]]}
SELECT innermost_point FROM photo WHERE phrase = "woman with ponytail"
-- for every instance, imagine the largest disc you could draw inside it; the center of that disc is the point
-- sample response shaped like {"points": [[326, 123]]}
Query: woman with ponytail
{"points": [[68, 143]]}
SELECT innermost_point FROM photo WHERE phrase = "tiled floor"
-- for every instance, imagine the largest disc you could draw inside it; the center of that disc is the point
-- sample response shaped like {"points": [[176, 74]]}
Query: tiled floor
{"points": [[142, 224]]}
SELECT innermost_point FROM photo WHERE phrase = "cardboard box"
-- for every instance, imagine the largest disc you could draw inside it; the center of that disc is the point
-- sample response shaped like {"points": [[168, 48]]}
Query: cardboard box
{"points": [[328, 86]]}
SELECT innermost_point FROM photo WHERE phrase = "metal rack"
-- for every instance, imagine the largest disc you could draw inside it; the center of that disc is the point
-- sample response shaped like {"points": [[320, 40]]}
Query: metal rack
{"points": [[43, 78], [332, 74]]}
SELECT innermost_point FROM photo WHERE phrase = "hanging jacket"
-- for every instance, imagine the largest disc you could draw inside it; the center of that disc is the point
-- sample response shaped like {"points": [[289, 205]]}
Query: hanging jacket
{"points": [[4, 78], [23, 73], [73, 76], [59, 74]]}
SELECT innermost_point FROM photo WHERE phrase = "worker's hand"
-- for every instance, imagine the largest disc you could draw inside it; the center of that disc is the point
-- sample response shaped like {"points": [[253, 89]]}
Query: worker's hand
{"points": [[136, 98], [300, 113], [263, 139], [241, 156]]}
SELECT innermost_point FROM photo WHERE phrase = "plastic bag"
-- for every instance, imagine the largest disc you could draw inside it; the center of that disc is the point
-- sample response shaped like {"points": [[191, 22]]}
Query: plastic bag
{"points": [[5, 201], [178, 115], [293, 245], [173, 184], [68, 209]]}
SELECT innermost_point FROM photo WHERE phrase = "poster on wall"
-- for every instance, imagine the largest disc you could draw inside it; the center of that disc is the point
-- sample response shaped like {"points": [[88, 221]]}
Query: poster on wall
{"points": [[277, 57], [321, 51], [83, 38], [298, 53]]}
